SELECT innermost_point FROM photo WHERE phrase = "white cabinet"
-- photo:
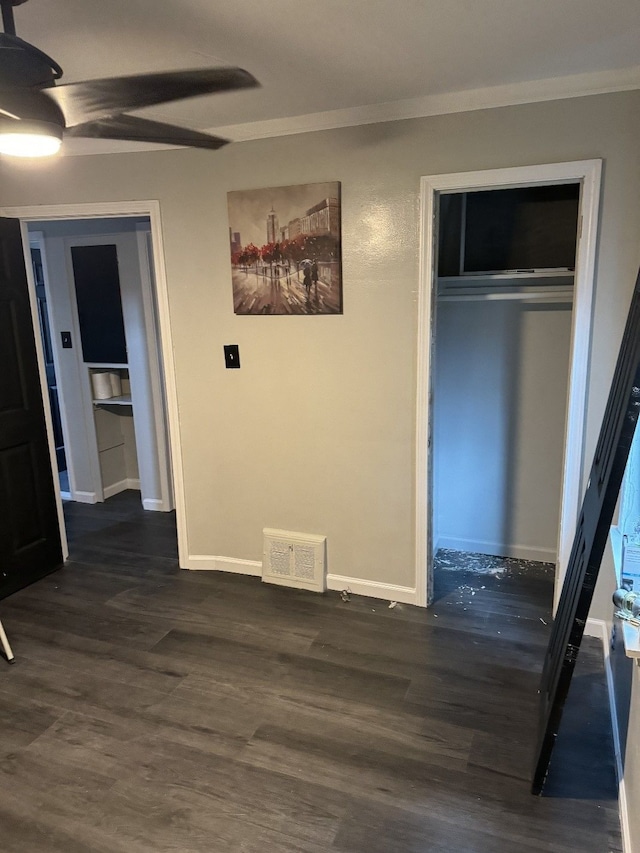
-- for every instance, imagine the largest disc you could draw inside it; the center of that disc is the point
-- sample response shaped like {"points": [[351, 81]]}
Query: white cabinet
{"points": [[114, 427]]}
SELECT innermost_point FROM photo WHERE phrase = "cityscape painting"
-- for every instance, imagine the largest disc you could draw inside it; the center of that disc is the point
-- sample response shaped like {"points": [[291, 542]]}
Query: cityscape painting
{"points": [[285, 249]]}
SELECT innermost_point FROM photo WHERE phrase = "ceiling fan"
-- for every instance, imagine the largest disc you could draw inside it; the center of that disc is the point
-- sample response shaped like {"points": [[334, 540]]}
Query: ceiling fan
{"points": [[36, 111]]}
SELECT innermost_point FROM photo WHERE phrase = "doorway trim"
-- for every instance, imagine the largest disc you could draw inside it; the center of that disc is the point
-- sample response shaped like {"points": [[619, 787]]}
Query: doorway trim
{"points": [[36, 240], [107, 210], [588, 174]]}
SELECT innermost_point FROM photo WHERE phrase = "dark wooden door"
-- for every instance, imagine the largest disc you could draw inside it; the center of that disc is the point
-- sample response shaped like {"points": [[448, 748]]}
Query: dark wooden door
{"points": [[29, 532]]}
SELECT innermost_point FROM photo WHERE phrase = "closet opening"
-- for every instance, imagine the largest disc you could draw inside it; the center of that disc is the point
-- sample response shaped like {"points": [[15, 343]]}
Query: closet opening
{"points": [[505, 306], [503, 322], [94, 281]]}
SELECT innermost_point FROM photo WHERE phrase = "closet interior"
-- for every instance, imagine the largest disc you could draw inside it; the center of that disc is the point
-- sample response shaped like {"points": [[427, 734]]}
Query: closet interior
{"points": [[503, 318]]}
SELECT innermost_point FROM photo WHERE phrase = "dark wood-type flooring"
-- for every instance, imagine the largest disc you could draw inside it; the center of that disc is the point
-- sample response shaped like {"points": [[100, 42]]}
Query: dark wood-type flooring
{"points": [[153, 709]]}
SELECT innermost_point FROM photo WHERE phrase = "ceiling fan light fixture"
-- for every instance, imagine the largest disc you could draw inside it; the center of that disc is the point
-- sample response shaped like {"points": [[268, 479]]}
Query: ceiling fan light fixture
{"points": [[35, 109], [30, 138]]}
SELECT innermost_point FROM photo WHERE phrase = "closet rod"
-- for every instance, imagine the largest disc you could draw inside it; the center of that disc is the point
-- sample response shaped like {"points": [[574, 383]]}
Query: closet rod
{"points": [[533, 296]]}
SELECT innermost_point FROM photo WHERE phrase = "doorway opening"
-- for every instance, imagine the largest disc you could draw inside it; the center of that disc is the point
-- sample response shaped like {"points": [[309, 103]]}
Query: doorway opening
{"points": [[154, 314], [502, 328], [94, 285], [101, 323], [505, 316]]}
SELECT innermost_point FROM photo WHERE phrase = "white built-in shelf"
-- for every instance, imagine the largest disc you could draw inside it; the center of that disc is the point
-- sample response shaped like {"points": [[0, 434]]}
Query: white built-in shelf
{"points": [[122, 371], [122, 400], [563, 295], [104, 366], [533, 276]]}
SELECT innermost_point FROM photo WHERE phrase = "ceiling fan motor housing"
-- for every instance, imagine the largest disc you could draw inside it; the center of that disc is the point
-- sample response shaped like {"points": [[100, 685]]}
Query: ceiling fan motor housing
{"points": [[29, 105]]}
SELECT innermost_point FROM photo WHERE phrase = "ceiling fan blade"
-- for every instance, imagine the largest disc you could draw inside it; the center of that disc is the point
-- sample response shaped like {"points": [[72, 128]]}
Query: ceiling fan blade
{"points": [[85, 101], [134, 129]]}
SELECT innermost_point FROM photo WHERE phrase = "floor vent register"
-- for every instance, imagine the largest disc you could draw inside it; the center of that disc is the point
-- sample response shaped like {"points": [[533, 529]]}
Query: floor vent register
{"points": [[294, 559]]}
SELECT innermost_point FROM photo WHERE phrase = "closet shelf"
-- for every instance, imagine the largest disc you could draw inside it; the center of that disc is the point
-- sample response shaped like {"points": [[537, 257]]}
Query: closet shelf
{"points": [[537, 285], [557, 294], [104, 365], [540, 285], [533, 276], [122, 400]]}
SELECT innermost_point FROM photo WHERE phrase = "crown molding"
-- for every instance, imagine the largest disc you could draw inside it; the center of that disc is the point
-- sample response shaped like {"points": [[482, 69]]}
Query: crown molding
{"points": [[530, 91], [511, 94]]}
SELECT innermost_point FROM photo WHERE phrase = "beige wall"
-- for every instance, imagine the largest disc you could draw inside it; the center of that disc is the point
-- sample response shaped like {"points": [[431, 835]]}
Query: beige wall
{"points": [[315, 433]]}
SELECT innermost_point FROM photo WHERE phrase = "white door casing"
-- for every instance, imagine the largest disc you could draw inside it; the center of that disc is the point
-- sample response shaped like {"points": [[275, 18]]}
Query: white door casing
{"points": [[588, 174], [98, 210]]}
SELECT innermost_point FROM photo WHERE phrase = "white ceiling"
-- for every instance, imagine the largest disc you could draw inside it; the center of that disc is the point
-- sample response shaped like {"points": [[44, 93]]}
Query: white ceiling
{"points": [[328, 63]]}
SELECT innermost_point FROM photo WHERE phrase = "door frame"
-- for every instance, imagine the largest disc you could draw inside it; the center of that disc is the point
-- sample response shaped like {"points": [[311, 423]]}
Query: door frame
{"points": [[109, 210], [588, 174], [36, 240]]}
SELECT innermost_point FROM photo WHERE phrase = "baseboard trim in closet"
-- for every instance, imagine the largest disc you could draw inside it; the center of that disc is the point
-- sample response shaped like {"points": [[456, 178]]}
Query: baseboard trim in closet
{"points": [[84, 497], [498, 549], [120, 486], [154, 505]]}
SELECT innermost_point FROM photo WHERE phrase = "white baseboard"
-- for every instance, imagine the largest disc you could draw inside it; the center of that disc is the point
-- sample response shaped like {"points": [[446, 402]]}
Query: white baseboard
{"points": [[374, 589], [201, 562], [114, 489], [154, 505], [120, 486], [599, 628], [84, 497], [498, 549], [358, 586]]}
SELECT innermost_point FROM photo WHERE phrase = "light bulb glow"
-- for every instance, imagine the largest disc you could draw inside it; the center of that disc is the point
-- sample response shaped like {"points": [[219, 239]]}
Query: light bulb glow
{"points": [[29, 144]]}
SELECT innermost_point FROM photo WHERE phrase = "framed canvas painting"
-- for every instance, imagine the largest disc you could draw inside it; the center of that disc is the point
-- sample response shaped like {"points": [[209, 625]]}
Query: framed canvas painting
{"points": [[285, 249]]}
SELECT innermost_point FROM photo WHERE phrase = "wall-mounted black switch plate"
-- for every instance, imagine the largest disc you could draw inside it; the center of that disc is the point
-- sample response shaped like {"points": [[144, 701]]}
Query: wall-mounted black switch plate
{"points": [[231, 355], [66, 340]]}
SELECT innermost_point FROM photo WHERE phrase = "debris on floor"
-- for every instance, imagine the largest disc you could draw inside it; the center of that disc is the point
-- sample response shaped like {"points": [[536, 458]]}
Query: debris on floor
{"points": [[449, 560], [459, 575]]}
